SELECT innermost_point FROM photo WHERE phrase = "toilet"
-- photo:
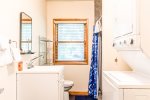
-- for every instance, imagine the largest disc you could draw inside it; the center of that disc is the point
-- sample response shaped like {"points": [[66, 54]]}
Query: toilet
{"points": [[67, 86]]}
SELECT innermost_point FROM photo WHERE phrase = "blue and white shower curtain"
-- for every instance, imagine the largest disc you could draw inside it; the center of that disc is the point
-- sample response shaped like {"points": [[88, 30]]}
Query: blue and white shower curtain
{"points": [[93, 77]]}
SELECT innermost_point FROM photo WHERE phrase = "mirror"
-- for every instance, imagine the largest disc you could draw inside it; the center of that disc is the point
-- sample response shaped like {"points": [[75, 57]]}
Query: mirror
{"points": [[25, 33]]}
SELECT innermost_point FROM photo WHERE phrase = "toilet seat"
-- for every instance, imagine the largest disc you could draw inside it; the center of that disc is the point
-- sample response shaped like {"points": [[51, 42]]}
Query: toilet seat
{"points": [[68, 83]]}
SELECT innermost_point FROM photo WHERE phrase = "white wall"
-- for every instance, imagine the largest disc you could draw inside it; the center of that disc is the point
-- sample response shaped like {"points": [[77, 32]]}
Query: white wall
{"points": [[73, 9], [9, 23], [144, 26], [109, 53]]}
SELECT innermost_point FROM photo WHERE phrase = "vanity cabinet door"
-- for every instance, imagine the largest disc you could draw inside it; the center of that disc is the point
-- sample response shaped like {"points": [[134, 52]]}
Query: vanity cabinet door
{"points": [[136, 94], [37, 87]]}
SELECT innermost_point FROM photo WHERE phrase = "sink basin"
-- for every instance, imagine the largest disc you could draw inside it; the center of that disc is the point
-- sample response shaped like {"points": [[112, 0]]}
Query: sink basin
{"points": [[44, 69]]}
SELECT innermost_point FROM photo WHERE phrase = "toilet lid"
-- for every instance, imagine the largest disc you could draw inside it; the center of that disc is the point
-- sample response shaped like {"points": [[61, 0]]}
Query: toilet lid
{"points": [[68, 83]]}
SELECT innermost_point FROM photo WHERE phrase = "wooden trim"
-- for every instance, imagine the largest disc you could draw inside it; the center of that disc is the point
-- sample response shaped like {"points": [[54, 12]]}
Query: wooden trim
{"points": [[70, 20], [78, 93], [70, 62], [55, 43], [54, 25], [27, 20], [86, 43], [70, 41]]}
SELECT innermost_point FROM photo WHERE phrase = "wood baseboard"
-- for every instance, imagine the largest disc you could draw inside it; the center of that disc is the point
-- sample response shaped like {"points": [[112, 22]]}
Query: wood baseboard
{"points": [[78, 93]]}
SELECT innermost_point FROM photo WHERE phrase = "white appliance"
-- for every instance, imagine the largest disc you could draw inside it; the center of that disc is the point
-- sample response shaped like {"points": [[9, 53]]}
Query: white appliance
{"points": [[131, 40], [40, 83], [125, 85]]}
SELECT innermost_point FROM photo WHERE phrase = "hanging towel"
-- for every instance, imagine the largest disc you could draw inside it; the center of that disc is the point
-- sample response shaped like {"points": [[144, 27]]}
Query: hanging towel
{"points": [[93, 77], [15, 52], [5, 57]]}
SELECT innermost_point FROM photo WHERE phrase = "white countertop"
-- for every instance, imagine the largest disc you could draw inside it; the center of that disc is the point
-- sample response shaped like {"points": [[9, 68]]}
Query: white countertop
{"points": [[128, 79], [43, 69]]}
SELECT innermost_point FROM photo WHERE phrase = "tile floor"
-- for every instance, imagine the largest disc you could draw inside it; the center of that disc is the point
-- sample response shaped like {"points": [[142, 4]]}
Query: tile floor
{"points": [[83, 98]]}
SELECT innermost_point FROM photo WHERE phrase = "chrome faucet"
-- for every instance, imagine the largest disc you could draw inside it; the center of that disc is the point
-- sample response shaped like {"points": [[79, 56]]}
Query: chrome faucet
{"points": [[30, 64]]}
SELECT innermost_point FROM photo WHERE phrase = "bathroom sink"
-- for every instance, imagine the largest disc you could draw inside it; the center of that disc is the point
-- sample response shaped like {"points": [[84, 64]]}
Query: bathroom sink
{"points": [[44, 69]]}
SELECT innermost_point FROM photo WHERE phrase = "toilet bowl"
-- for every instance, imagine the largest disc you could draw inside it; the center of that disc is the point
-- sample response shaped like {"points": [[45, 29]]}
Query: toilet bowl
{"points": [[67, 86]]}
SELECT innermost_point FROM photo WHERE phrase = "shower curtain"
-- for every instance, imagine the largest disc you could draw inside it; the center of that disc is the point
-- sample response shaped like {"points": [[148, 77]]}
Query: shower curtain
{"points": [[93, 76]]}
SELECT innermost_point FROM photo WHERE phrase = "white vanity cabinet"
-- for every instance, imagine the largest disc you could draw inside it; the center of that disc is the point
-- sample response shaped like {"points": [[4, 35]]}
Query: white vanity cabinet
{"points": [[39, 86]]}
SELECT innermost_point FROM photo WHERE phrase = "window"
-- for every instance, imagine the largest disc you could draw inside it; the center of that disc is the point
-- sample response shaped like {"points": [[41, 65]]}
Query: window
{"points": [[70, 41]]}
